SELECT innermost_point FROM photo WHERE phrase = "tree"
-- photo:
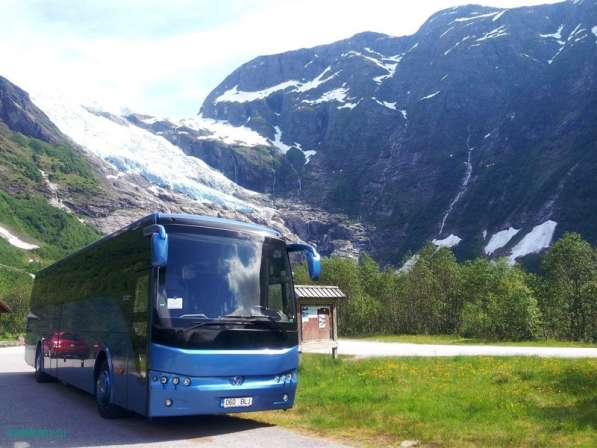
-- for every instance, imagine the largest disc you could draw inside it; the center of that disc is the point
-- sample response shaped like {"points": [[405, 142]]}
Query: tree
{"points": [[568, 293], [431, 299], [15, 290], [500, 304]]}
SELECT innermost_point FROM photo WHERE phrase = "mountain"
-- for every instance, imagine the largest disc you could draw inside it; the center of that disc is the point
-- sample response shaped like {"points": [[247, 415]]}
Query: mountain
{"points": [[241, 154], [71, 172], [37, 162], [477, 132]]}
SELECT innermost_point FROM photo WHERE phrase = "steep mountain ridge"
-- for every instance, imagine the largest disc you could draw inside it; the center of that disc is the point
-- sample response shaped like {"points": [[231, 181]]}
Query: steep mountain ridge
{"points": [[481, 121], [19, 114]]}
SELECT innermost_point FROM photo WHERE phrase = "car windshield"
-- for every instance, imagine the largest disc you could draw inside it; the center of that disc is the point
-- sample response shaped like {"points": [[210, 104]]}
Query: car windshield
{"points": [[215, 277]]}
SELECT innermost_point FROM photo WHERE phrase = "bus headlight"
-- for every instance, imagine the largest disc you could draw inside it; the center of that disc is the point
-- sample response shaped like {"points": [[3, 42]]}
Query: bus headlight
{"points": [[175, 380], [186, 381], [164, 379], [168, 402]]}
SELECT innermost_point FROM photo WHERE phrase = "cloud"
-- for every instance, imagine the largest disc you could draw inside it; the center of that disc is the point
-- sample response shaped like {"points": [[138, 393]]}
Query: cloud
{"points": [[163, 57]]}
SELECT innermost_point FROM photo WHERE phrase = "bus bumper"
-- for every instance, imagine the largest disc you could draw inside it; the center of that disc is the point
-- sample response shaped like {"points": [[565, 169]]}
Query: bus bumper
{"points": [[206, 395]]}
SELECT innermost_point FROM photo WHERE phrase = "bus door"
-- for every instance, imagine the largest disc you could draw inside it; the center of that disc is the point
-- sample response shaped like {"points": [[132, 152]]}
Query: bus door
{"points": [[137, 359]]}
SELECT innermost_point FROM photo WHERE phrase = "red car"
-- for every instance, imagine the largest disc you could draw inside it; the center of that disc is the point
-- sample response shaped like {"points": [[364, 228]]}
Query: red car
{"points": [[65, 345]]}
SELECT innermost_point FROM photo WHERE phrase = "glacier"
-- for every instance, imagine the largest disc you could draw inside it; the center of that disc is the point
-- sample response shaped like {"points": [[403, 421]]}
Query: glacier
{"points": [[133, 150]]}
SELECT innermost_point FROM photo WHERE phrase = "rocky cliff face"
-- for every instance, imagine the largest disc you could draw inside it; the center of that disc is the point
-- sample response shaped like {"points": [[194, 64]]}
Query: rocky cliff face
{"points": [[19, 114], [477, 131]]}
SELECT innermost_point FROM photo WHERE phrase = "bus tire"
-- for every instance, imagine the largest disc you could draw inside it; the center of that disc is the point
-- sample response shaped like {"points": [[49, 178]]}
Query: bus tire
{"points": [[40, 375], [103, 392]]}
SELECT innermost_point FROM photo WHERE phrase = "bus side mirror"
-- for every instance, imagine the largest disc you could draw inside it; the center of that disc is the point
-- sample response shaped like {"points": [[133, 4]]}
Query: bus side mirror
{"points": [[159, 244], [313, 258]]}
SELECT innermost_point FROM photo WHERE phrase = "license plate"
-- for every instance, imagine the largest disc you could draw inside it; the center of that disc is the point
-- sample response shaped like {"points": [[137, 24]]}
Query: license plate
{"points": [[238, 402]]}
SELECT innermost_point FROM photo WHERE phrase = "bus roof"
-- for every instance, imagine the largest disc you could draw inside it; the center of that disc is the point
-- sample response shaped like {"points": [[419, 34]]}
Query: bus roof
{"points": [[180, 218], [210, 221]]}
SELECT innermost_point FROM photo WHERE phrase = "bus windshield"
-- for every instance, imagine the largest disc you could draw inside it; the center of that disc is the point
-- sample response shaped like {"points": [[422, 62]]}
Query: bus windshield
{"points": [[225, 278]]}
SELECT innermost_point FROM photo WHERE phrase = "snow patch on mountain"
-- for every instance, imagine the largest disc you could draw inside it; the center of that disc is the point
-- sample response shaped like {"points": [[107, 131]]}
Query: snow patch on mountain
{"points": [[240, 96], [575, 36], [500, 239], [479, 16], [498, 15], [409, 264], [314, 83], [277, 142], [494, 34], [428, 97], [535, 241], [449, 241], [338, 95], [222, 131], [235, 95], [349, 106], [387, 104], [456, 45], [446, 32], [389, 67], [134, 150], [556, 35], [309, 155], [15, 240]]}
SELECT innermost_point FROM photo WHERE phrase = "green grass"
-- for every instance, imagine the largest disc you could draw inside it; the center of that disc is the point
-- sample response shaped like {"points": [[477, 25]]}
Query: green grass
{"points": [[33, 217], [458, 340], [26, 212], [22, 158], [451, 402]]}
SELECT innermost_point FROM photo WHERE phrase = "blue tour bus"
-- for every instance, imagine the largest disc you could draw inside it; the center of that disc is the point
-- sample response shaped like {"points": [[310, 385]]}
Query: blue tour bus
{"points": [[172, 315]]}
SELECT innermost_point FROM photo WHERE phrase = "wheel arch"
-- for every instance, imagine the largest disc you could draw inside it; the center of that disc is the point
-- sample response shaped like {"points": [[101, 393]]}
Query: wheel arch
{"points": [[103, 355]]}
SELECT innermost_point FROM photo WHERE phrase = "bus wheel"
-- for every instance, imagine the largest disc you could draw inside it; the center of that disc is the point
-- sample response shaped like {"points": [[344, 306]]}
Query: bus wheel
{"points": [[40, 375], [103, 390]]}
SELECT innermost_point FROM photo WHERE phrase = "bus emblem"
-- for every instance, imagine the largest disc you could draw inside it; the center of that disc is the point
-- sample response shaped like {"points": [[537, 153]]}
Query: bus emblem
{"points": [[236, 380]]}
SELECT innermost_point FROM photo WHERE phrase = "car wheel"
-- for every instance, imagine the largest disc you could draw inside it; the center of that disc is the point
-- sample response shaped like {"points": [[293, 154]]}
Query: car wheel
{"points": [[103, 393]]}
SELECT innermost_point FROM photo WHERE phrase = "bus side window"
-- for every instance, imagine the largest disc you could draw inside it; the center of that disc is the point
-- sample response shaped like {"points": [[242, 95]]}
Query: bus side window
{"points": [[140, 305]]}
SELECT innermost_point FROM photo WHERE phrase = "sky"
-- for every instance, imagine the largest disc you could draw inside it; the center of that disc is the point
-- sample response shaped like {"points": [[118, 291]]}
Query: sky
{"points": [[162, 57]]}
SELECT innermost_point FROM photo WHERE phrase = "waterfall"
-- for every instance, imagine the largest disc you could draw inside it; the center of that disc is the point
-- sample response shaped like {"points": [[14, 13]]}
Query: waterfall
{"points": [[463, 185]]}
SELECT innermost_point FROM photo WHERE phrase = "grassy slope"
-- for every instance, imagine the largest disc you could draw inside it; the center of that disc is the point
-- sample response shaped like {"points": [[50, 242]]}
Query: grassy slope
{"points": [[26, 212], [457, 340], [454, 402]]}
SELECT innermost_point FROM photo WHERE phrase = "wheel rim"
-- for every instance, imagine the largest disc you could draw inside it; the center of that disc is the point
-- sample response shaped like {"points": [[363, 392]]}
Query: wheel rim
{"points": [[103, 387]]}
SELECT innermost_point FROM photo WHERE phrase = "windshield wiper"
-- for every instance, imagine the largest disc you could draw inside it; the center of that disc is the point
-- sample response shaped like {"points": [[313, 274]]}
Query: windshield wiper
{"points": [[252, 317], [259, 320], [218, 322]]}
